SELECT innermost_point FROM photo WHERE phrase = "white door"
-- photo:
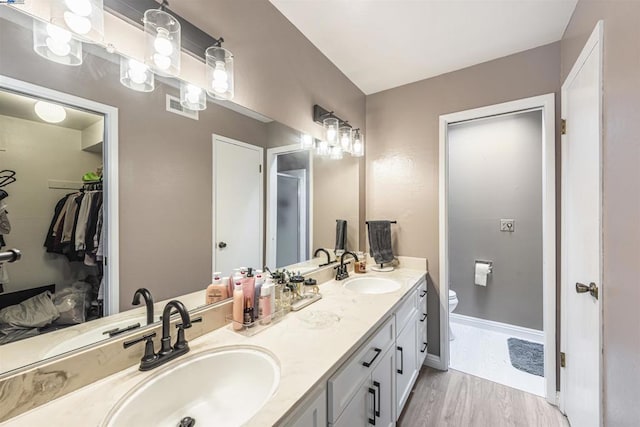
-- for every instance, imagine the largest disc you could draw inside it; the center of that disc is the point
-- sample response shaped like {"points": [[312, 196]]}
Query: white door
{"points": [[288, 218], [581, 231], [237, 205]]}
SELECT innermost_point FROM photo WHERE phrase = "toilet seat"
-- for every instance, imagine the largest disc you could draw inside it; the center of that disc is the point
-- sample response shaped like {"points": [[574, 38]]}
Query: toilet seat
{"points": [[452, 294]]}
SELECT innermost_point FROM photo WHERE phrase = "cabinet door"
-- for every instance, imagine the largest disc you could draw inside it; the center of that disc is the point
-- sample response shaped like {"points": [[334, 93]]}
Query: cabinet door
{"points": [[422, 343], [359, 412], [406, 364], [383, 384], [315, 415]]}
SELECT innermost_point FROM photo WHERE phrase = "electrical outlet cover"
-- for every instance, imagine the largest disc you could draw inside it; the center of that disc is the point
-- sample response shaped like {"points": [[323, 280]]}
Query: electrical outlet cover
{"points": [[507, 225]]}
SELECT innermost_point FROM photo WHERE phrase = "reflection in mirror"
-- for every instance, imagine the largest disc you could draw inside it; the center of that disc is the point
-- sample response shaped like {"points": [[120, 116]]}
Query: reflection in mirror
{"points": [[172, 189]]}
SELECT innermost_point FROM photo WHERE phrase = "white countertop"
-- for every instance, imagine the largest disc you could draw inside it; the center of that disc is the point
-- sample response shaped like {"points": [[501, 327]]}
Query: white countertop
{"points": [[309, 345]]}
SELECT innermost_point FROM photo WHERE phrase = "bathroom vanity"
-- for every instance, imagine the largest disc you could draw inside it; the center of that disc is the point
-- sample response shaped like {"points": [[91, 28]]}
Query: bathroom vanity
{"points": [[349, 359]]}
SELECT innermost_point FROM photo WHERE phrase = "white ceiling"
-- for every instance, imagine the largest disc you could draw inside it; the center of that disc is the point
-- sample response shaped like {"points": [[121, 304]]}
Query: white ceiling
{"points": [[381, 44]]}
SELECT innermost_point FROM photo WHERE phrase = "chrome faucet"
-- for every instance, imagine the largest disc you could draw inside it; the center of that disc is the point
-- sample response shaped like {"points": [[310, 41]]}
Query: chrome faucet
{"points": [[341, 270], [151, 359], [148, 300], [326, 252]]}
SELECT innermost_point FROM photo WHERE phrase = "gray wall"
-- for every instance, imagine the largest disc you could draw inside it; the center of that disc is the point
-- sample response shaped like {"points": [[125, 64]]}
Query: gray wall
{"points": [[620, 291], [402, 145], [495, 171]]}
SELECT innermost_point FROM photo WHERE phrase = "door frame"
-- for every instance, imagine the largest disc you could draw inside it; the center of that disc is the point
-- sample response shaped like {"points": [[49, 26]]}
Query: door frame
{"points": [[272, 199], [260, 150], [594, 43], [545, 103], [111, 261]]}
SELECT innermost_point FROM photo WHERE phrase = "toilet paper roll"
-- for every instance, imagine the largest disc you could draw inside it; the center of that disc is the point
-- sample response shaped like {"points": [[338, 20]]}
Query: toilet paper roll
{"points": [[482, 270]]}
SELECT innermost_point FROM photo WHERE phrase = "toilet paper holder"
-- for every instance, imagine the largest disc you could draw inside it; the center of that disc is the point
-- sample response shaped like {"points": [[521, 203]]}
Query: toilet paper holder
{"points": [[490, 263]]}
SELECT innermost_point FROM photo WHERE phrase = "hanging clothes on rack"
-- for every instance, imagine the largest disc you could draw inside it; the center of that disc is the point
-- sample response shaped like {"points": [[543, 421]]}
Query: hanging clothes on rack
{"points": [[7, 177]]}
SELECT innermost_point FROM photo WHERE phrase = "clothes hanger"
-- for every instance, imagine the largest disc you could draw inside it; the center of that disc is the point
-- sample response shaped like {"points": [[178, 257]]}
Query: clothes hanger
{"points": [[6, 180]]}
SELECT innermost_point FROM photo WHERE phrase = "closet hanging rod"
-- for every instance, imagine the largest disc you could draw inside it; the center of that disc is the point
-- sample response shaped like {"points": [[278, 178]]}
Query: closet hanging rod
{"points": [[12, 255], [391, 222]]}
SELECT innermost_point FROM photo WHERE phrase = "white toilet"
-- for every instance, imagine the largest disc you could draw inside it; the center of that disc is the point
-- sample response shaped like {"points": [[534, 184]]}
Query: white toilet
{"points": [[453, 303]]}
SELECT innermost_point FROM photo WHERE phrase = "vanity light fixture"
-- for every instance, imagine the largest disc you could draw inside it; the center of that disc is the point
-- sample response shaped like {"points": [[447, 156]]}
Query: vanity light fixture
{"points": [[192, 97], [136, 75], [84, 18], [331, 125], [345, 136], [49, 112], [162, 41], [219, 71], [306, 141], [358, 144], [56, 44], [339, 133]]}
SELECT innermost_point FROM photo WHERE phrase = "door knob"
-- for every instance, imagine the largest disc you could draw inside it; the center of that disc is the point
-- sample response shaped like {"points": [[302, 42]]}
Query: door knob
{"points": [[592, 289], [222, 245]]}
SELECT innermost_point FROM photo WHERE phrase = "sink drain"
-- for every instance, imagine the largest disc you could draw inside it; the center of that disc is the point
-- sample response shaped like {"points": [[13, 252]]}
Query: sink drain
{"points": [[187, 422]]}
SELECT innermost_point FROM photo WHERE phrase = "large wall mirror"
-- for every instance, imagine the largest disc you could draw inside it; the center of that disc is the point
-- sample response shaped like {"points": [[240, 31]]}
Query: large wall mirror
{"points": [[94, 170]]}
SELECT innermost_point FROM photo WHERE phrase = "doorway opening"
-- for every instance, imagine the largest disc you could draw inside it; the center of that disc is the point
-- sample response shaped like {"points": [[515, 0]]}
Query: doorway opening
{"points": [[289, 201], [497, 245]]}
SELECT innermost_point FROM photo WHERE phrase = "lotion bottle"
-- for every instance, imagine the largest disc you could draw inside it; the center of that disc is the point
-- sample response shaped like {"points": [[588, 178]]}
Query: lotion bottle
{"points": [[238, 306], [217, 291]]}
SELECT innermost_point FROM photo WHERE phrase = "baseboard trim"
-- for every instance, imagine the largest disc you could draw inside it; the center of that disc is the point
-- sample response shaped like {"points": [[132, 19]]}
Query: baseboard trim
{"points": [[504, 328], [434, 362]]}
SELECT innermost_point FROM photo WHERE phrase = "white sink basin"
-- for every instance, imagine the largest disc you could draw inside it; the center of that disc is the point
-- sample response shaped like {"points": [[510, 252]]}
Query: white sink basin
{"points": [[372, 285], [223, 387], [78, 340]]}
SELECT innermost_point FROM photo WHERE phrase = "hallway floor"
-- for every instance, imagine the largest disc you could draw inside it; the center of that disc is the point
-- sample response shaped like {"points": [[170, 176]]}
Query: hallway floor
{"points": [[456, 399], [485, 354]]}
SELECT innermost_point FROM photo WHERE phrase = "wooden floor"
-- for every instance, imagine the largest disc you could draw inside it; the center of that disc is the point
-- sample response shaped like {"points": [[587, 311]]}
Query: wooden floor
{"points": [[456, 399]]}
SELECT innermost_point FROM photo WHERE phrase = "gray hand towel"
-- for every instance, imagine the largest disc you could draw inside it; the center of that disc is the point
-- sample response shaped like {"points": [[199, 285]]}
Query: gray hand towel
{"points": [[380, 241], [341, 234]]}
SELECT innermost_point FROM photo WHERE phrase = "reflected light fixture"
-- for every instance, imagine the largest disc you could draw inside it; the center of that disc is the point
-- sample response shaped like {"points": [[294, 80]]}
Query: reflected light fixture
{"points": [[56, 44], [84, 18], [345, 134], [136, 75], [306, 141], [219, 71], [162, 41], [49, 112], [336, 152], [323, 149], [358, 144], [192, 97]]}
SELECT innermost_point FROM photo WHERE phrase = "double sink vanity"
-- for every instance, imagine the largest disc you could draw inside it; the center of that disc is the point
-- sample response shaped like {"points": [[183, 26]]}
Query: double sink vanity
{"points": [[349, 359]]}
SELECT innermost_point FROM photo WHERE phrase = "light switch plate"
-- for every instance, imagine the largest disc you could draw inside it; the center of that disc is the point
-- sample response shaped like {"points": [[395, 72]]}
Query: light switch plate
{"points": [[508, 225]]}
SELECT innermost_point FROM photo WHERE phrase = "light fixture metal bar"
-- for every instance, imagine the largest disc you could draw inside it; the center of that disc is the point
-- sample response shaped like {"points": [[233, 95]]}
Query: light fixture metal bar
{"points": [[194, 40]]}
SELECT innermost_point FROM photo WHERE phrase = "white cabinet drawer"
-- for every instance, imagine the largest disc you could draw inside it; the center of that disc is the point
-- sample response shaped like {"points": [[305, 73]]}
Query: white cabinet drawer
{"points": [[406, 311], [422, 294], [346, 382], [422, 344]]}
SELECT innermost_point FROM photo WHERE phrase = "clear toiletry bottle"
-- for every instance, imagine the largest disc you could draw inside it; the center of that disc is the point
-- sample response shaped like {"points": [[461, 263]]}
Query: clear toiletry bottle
{"points": [[265, 304]]}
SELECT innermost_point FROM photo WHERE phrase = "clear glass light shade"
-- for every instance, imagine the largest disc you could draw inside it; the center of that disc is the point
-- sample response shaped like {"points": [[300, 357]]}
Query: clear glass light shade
{"points": [[336, 152], [162, 42], [84, 18], [323, 149], [220, 73], [56, 44], [331, 125], [192, 97], [358, 144], [136, 75], [306, 141], [345, 135]]}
